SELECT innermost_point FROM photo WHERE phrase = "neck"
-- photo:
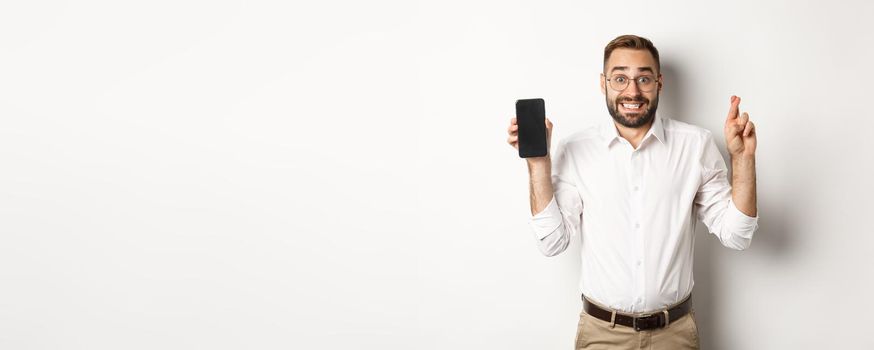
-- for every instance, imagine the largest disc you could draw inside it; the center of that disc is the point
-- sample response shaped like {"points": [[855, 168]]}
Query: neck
{"points": [[633, 135]]}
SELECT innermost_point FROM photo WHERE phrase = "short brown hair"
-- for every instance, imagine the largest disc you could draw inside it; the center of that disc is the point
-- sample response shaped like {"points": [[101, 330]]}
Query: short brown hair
{"points": [[631, 42]]}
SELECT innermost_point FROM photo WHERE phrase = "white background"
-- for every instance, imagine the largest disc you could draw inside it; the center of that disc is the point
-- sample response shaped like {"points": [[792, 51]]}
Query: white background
{"points": [[334, 175]]}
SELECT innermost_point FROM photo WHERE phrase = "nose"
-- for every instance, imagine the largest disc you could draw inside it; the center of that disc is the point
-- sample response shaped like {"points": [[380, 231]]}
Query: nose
{"points": [[631, 92], [632, 88]]}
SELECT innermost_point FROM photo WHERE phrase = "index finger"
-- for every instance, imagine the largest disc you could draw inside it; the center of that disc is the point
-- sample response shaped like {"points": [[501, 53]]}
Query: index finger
{"points": [[732, 111]]}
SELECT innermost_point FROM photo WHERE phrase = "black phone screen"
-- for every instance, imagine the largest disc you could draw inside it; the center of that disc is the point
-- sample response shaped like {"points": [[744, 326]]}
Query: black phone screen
{"points": [[530, 116]]}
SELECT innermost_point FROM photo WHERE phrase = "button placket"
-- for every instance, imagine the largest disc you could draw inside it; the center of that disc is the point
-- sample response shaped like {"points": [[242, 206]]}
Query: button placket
{"points": [[638, 231]]}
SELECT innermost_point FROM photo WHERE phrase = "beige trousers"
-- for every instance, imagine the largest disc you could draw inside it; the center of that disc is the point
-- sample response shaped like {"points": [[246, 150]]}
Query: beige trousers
{"points": [[594, 333]]}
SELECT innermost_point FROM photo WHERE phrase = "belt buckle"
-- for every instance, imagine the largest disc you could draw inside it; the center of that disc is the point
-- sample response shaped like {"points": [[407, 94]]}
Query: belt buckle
{"points": [[636, 325]]}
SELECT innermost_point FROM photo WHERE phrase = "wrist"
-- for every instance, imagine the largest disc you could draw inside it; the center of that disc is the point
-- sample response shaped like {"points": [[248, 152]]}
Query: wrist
{"points": [[743, 158], [538, 162], [539, 166]]}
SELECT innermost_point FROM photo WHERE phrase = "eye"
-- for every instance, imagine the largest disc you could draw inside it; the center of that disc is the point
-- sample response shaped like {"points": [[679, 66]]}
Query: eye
{"points": [[644, 80], [621, 79]]}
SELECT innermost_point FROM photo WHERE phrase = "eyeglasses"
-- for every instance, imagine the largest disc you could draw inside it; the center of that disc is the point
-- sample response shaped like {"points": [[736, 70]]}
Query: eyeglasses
{"points": [[619, 82]]}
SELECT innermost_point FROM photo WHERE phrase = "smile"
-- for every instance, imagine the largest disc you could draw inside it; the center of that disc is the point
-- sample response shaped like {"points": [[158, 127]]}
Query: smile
{"points": [[632, 106]]}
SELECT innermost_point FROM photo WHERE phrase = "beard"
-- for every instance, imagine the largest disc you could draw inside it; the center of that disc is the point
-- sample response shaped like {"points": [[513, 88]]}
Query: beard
{"points": [[635, 119]]}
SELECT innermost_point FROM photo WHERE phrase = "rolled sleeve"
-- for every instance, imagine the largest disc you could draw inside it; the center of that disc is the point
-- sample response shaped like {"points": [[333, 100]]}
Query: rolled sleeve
{"points": [[559, 222], [546, 221], [714, 204], [739, 227], [739, 221]]}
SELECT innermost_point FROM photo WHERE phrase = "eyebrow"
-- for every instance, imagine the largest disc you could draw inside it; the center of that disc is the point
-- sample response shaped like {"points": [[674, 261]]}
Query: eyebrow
{"points": [[642, 69]]}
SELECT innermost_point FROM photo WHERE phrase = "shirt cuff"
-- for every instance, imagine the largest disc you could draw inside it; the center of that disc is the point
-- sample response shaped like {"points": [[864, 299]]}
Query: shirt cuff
{"points": [[744, 221], [546, 221]]}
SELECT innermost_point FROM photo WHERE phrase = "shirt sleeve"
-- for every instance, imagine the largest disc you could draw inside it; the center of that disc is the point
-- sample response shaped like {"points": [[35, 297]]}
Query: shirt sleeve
{"points": [[561, 220], [714, 205]]}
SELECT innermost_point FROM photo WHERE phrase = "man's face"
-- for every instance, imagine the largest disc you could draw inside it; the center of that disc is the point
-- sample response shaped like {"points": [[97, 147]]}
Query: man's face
{"points": [[631, 107]]}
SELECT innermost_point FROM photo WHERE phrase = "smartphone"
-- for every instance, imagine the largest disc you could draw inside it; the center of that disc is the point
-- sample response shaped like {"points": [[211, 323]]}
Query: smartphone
{"points": [[531, 117]]}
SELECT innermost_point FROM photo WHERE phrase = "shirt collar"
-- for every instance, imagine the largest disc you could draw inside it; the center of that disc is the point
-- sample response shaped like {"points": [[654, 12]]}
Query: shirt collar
{"points": [[609, 132]]}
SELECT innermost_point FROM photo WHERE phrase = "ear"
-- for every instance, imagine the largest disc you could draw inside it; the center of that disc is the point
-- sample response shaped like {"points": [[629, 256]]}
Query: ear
{"points": [[661, 82], [604, 84]]}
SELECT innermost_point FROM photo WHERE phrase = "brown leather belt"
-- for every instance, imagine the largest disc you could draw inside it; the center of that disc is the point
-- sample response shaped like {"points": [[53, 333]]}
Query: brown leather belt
{"points": [[653, 320]]}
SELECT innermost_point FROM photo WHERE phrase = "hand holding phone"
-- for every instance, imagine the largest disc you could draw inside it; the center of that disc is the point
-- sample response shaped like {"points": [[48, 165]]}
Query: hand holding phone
{"points": [[532, 128]]}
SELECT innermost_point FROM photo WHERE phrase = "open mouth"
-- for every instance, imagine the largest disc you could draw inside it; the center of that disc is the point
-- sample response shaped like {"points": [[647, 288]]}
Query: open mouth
{"points": [[633, 107]]}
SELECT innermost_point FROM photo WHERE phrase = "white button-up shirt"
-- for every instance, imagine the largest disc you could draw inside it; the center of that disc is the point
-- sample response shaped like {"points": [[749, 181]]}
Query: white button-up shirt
{"points": [[635, 210]]}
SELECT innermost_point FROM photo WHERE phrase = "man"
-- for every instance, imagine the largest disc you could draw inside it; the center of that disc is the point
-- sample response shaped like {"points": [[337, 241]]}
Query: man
{"points": [[631, 190]]}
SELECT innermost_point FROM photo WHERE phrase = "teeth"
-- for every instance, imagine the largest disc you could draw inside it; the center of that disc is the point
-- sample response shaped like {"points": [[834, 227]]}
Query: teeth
{"points": [[628, 105]]}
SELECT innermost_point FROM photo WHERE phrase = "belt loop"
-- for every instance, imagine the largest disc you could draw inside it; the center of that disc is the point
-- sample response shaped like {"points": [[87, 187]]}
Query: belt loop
{"points": [[613, 319], [667, 317]]}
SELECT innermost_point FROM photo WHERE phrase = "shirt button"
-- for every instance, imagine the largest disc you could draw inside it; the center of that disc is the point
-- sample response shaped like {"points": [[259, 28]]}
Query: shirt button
{"points": [[637, 225], [635, 188], [638, 263]]}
